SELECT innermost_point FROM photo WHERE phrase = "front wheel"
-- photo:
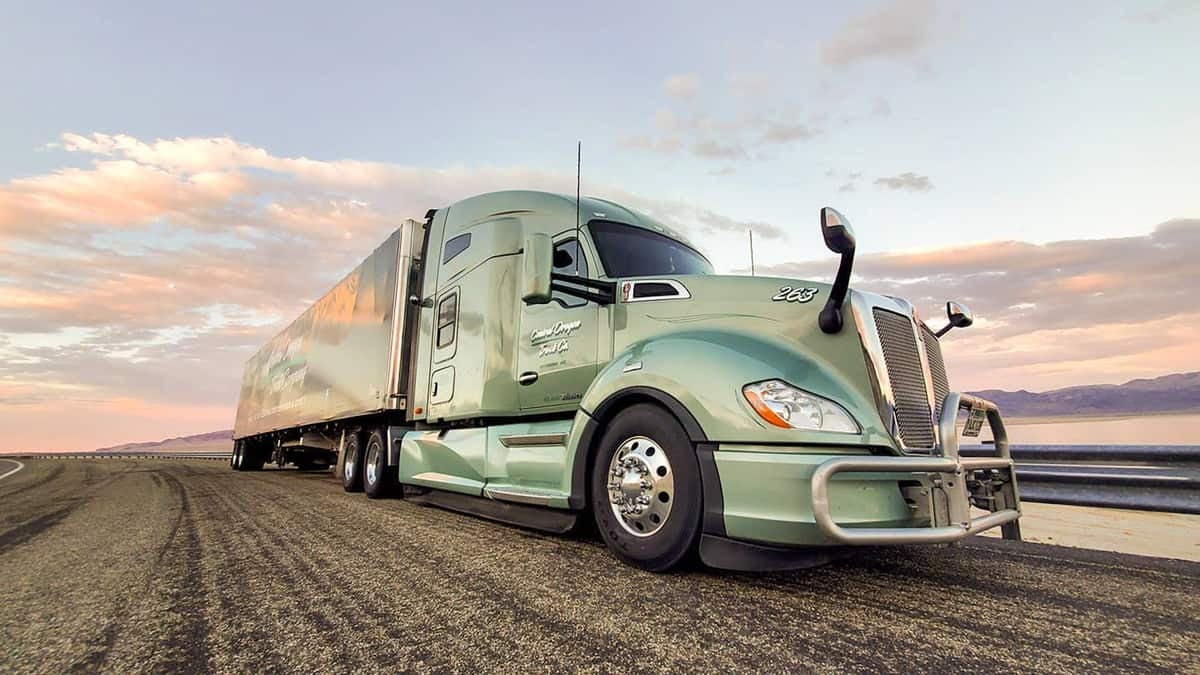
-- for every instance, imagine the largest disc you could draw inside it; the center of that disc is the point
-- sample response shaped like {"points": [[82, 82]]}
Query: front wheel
{"points": [[645, 489]]}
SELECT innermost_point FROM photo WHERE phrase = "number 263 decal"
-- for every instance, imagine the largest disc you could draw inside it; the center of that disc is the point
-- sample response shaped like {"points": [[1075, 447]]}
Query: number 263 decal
{"points": [[789, 294]]}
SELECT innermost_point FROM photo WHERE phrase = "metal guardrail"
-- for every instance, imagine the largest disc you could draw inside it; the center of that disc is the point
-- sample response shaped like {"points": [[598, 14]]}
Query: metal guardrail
{"points": [[1139, 477], [122, 455]]}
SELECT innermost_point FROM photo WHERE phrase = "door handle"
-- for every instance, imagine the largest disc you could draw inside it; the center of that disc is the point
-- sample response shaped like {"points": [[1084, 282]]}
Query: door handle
{"points": [[527, 378]]}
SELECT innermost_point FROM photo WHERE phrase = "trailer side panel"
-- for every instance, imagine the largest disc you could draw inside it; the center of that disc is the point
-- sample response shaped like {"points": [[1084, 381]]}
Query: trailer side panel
{"points": [[337, 359]]}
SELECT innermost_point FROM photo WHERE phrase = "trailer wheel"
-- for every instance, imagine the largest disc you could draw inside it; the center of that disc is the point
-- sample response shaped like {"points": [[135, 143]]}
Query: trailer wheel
{"points": [[352, 469], [254, 456], [235, 460], [377, 477], [645, 489]]}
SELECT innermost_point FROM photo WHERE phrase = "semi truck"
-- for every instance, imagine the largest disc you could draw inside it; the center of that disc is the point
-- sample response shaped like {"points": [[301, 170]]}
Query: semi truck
{"points": [[543, 360]]}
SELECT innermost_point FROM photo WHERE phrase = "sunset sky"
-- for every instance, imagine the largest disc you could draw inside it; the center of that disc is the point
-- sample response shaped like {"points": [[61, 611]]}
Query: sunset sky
{"points": [[178, 181]]}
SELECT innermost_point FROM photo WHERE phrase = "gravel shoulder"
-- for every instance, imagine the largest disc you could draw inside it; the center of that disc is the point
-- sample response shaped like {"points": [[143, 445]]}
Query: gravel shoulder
{"points": [[167, 565]]}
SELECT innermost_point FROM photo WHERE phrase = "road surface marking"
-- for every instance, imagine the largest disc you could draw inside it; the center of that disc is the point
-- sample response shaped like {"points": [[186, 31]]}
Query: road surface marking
{"points": [[19, 467]]}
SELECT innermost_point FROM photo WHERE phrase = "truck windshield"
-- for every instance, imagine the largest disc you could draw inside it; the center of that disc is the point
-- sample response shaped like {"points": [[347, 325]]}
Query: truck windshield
{"points": [[627, 251]]}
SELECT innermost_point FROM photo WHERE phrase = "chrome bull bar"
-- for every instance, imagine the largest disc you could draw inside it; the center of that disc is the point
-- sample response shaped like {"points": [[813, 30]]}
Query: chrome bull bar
{"points": [[947, 500]]}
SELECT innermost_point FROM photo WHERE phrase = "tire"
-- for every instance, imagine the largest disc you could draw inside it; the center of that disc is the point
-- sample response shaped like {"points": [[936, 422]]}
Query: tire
{"points": [[280, 458], [235, 460], [352, 469], [646, 463], [378, 481], [254, 456]]}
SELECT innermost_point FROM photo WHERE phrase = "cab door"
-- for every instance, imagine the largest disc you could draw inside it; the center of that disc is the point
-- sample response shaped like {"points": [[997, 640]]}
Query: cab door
{"points": [[556, 360]]}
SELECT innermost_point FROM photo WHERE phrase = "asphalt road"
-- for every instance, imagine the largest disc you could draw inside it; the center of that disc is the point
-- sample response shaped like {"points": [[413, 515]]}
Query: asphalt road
{"points": [[167, 565]]}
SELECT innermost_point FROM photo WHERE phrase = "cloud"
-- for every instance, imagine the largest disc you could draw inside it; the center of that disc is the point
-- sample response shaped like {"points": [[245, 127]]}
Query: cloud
{"points": [[894, 29], [906, 181], [1161, 13], [1113, 309], [683, 87], [714, 222], [750, 84], [718, 150], [777, 132]]}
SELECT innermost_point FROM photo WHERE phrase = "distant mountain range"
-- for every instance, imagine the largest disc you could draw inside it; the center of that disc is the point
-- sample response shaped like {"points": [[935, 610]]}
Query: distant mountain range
{"points": [[213, 441], [1169, 393]]}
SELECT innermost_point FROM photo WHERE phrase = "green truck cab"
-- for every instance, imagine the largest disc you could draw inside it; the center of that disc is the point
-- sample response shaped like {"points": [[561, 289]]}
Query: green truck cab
{"points": [[534, 358]]}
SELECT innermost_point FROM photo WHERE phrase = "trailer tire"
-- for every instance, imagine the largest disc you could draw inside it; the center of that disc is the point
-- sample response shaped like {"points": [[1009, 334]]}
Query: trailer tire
{"points": [[235, 459], [378, 481], [352, 468], [254, 456], [645, 461]]}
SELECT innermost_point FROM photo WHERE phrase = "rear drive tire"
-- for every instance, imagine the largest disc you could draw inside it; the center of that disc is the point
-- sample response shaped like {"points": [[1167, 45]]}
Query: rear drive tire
{"points": [[352, 468], [646, 495], [378, 480]]}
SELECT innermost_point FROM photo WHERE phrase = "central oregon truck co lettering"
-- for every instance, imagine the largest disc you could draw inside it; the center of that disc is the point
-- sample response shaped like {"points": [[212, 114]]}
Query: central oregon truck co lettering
{"points": [[484, 361]]}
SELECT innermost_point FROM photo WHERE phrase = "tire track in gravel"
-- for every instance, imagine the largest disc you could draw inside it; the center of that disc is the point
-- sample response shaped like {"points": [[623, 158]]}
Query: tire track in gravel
{"points": [[37, 525], [448, 570], [33, 484], [868, 589], [187, 644], [282, 578]]}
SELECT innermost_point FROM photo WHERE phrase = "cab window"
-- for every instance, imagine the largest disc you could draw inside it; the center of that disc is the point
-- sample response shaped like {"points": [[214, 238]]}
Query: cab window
{"points": [[565, 254], [627, 251]]}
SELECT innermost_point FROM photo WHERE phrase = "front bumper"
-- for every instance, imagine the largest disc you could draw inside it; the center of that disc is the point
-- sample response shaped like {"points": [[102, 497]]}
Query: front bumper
{"points": [[955, 483], [775, 508]]}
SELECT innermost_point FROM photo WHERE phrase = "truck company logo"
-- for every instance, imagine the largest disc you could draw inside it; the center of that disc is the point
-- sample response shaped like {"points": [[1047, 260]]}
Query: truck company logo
{"points": [[560, 329], [789, 294], [552, 348]]}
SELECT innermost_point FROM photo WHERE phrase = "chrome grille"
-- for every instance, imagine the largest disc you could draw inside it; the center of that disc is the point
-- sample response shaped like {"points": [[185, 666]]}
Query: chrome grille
{"points": [[902, 357], [937, 369]]}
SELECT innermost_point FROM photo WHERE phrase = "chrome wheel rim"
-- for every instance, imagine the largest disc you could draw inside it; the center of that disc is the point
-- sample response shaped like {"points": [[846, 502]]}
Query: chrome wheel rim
{"points": [[372, 455], [641, 486], [351, 460]]}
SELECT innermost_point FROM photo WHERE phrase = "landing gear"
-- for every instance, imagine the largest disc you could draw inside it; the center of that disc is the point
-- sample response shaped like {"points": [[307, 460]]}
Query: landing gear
{"points": [[645, 489]]}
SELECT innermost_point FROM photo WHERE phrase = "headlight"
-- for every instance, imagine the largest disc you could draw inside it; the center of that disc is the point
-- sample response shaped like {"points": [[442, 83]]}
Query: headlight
{"points": [[784, 406]]}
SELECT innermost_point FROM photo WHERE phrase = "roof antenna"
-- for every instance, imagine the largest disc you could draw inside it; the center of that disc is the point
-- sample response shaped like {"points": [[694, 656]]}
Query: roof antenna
{"points": [[751, 233], [578, 169]]}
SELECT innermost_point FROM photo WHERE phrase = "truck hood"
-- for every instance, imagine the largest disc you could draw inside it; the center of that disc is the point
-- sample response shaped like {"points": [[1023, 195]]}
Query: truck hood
{"points": [[763, 304], [735, 330]]}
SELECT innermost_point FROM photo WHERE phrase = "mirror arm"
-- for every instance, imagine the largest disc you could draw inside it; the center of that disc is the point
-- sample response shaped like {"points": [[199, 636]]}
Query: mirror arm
{"points": [[593, 290], [943, 331], [831, 318]]}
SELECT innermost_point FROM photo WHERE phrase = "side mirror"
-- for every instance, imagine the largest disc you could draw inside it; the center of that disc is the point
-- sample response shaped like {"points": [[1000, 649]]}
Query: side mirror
{"points": [[839, 236], [960, 316], [539, 254]]}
